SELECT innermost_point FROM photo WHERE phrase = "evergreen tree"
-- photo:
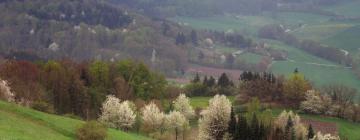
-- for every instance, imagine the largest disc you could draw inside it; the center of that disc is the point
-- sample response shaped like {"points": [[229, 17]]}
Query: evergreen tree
{"points": [[196, 78], [242, 128], [311, 132], [224, 80], [288, 129], [205, 81], [194, 38], [180, 39], [211, 82], [232, 124], [255, 128], [292, 134]]}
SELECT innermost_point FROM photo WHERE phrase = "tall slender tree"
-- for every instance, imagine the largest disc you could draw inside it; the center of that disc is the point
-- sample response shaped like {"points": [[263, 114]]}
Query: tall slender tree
{"points": [[232, 123]]}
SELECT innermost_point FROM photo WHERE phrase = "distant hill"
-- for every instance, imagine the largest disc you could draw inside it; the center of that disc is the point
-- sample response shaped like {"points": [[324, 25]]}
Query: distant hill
{"points": [[85, 30], [17, 122]]}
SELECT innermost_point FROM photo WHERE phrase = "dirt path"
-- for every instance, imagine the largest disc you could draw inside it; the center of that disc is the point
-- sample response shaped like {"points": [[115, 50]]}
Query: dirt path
{"points": [[318, 64]]}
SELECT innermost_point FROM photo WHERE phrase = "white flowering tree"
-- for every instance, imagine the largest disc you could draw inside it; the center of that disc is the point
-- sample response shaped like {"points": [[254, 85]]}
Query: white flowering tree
{"points": [[117, 115], [320, 136], [5, 92], [214, 120], [313, 103], [178, 122], [182, 105], [282, 121], [153, 119]]}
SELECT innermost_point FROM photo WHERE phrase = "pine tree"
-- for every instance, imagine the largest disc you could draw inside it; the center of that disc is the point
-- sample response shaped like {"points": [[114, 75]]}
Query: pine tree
{"points": [[224, 80], [205, 81], [232, 124], [196, 79], [292, 134], [311, 132], [255, 128], [194, 38], [242, 132], [211, 82], [288, 129]]}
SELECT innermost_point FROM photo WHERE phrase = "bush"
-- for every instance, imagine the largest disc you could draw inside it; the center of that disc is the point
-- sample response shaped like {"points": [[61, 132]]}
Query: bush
{"points": [[73, 116], [42, 106], [91, 131]]}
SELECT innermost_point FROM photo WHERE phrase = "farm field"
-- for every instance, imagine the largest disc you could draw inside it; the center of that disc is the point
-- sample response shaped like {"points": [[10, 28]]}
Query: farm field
{"points": [[26, 124], [317, 70], [246, 24], [350, 9], [347, 40]]}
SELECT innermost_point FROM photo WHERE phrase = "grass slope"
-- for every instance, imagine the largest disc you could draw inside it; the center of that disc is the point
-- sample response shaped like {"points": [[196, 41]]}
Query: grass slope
{"points": [[319, 75], [17, 122], [347, 40], [350, 9]]}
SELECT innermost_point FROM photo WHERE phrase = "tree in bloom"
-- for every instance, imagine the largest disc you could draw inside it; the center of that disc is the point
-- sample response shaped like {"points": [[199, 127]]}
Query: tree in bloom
{"points": [[283, 120], [313, 103], [320, 136], [214, 120], [153, 119], [182, 105], [117, 115], [178, 122], [5, 92]]}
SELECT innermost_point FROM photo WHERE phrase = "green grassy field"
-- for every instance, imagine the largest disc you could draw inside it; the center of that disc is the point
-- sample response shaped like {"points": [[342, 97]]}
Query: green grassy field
{"points": [[347, 9], [319, 75], [250, 58], [347, 40], [203, 102], [19, 123], [246, 24]]}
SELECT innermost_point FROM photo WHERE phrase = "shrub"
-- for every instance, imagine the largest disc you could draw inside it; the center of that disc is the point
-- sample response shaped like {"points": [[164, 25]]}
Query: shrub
{"points": [[42, 106], [91, 131]]}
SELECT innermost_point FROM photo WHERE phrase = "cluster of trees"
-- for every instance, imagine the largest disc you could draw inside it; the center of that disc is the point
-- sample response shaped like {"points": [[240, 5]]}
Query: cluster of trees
{"points": [[76, 12], [335, 100], [219, 121], [210, 86], [212, 7], [277, 32], [230, 39], [150, 118], [269, 88], [85, 30], [66, 87]]}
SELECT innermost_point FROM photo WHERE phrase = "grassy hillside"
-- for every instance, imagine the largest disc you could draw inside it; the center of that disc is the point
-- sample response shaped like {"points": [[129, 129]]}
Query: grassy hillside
{"points": [[347, 40], [350, 9], [17, 122], [317, 70]]}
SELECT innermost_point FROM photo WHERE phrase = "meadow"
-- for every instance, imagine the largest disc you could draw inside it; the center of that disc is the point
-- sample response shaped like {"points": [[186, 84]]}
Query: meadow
{"points": [[18, 122]]}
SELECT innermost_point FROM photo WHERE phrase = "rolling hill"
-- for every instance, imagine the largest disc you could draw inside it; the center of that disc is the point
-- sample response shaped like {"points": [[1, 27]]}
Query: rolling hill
{"points": [[18, 122]]}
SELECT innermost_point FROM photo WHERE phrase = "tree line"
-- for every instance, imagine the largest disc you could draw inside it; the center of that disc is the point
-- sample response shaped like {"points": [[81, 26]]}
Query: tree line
{"points": [[67, 87]]}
